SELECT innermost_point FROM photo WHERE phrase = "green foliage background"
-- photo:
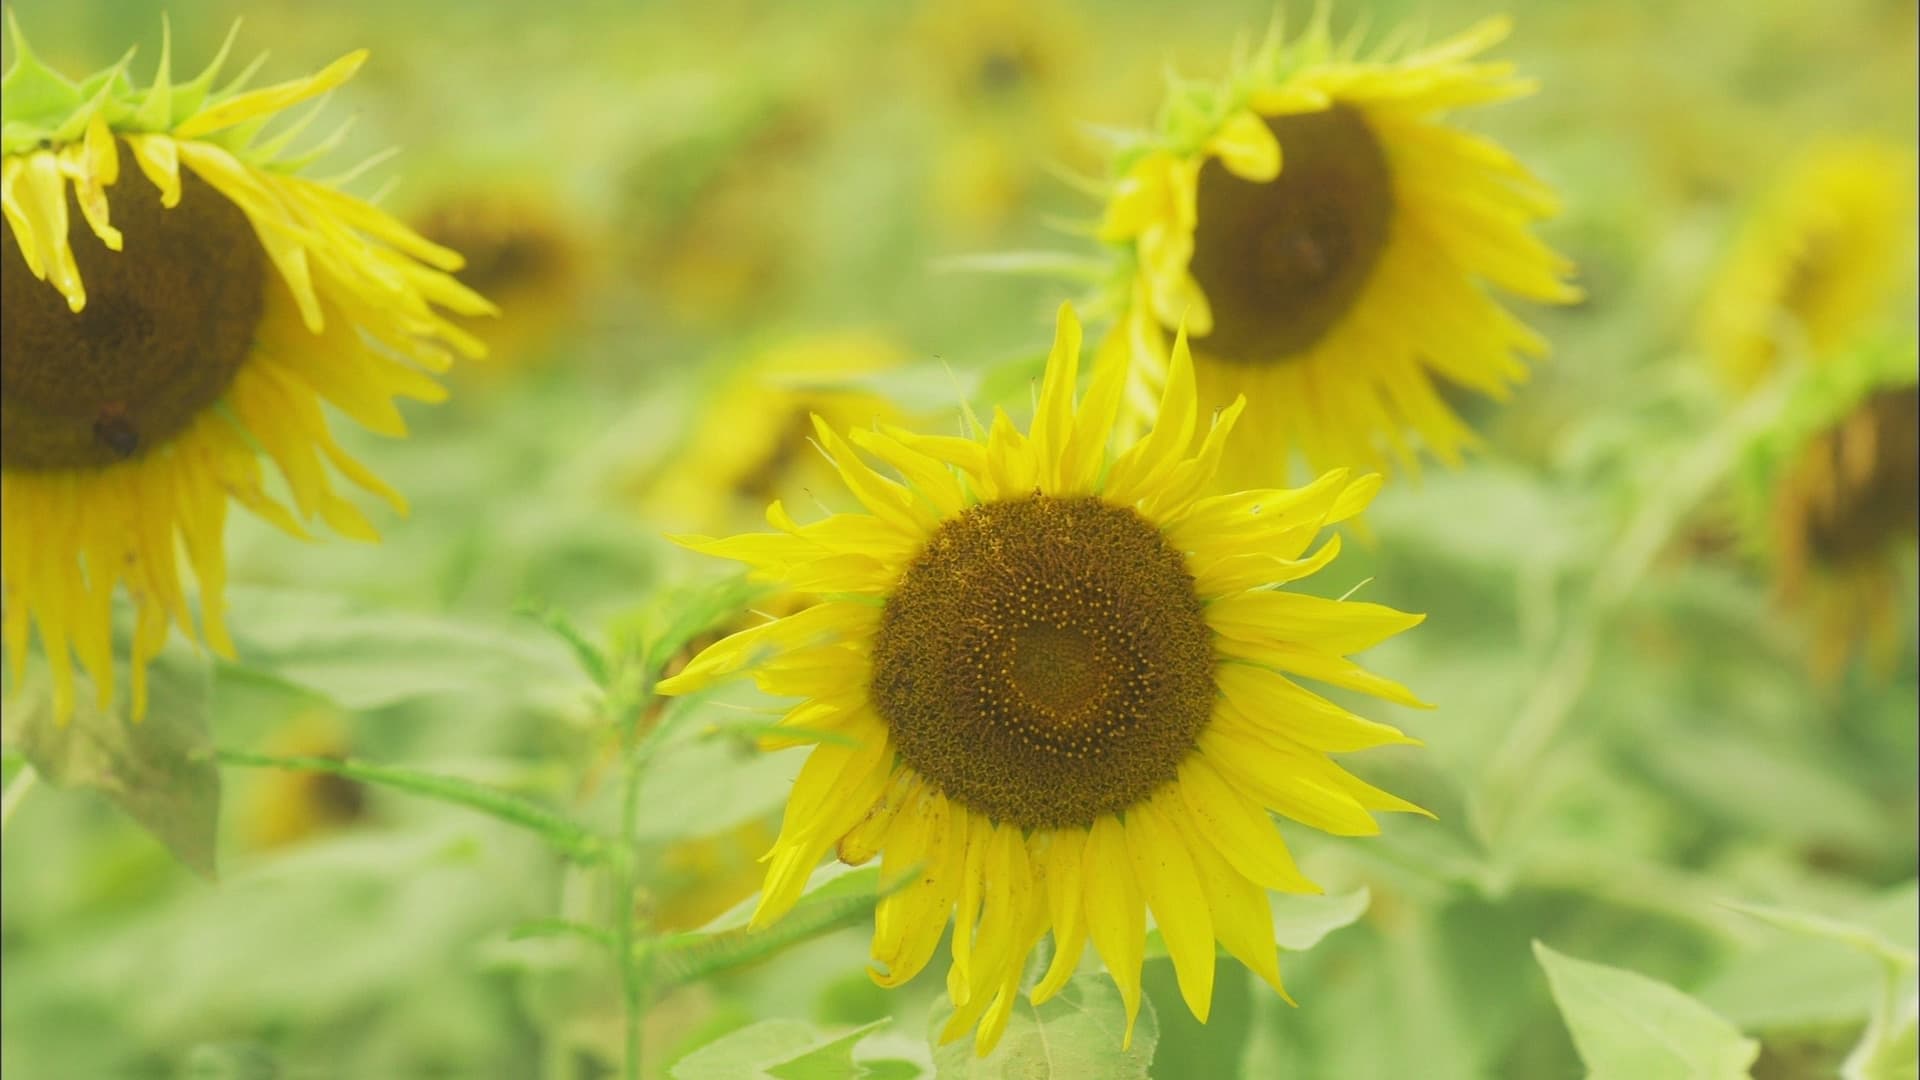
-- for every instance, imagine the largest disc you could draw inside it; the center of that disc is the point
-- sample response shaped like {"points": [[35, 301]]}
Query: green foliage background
{"points": [[1662, 848]]}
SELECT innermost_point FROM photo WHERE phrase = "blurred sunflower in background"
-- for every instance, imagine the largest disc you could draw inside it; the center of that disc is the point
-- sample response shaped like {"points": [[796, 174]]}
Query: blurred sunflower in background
{"points": [[1836, 491], [1057, 686], [524, 254], [285, 807], [708, 219], [1329, 238], [1816, 262], [1005, 78], [752, 441], [214, 301]]}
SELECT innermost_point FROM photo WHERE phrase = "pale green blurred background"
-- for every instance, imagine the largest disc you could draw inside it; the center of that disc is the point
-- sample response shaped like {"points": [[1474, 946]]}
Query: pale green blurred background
{"points": [[697, 184]]}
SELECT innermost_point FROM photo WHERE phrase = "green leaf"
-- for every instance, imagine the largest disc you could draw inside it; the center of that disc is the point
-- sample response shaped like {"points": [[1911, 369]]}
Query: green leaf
{"points": [[1187, 1046], [1853, 935], [160, 771], [365, 659], [843, 901], [1075, 1034], [585, 652], [551, 928], [1803, 980], [828, 1062], [1891, 1045], [781, 1050], [676, 615], [569, 837], [1299, 922], [1629, 1026]]}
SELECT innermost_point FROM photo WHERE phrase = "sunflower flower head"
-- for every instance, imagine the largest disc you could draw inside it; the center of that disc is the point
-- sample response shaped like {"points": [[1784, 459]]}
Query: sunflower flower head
{"points": [[1835, 490], [1053, 689], [1328, 239], [180, 302], [1816, 262]]}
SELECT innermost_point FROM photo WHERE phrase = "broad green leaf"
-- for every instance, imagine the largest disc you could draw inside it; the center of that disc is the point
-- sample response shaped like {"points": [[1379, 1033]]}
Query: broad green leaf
{"points": [[1810, 980], [1187, 1046], [1889, 1048], [1629, 1026], [367, 659], [781, 1050], [842, 901], [569, 837], [1075, 1034], [1299, 922], [1865, 939], [160, 770]]}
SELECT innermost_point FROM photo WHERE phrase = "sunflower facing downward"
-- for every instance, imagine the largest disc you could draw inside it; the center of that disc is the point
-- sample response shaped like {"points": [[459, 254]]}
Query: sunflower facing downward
{"points": [[1838, 484], [1328, 240], [178, 303], [1055, 686]]}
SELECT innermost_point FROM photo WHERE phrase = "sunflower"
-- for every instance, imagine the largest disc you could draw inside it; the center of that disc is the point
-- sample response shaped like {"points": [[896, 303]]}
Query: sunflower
{"points": [[1051, 691], [751, 441], [1004, 78], [288, 806], [522, 253], [1841, 483], [218, 301], [1815, 263], [1328, 240]]}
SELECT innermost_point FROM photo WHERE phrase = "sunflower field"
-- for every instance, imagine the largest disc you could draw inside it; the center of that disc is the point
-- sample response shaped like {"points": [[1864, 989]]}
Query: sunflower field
{"points": [[1011, 538]]}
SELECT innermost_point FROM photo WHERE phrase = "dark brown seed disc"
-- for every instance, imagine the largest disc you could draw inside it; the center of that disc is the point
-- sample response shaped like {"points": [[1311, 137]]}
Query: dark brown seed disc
{"points": [[169, 319], [1282, 261], [1045, 661]]}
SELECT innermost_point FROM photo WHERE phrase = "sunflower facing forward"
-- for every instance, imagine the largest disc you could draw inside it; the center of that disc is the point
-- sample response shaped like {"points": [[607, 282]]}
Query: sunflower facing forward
{"points": [[1328, 240], [1055, 686], [213, 301]]}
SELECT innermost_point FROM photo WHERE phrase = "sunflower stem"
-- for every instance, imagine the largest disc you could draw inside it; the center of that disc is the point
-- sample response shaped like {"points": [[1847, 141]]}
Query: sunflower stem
{"points": [[635, 963], [1513, 770]]}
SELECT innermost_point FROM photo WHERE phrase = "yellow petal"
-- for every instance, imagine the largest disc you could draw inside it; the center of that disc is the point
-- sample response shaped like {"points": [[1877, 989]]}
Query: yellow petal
{"points": [[1335, 626], [1053, 419], [1246, 146], [1167, 877], [271, 99], [1235, 826], [1065, 856], [1116, 914]]}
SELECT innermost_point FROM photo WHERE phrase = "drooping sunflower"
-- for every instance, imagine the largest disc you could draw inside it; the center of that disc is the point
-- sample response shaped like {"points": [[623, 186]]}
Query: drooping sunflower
{"points": [[285, 807], [1815, 263], [213, 302], [523, 253], [1058, 685], [1839, 487], [1330, 239], [750, 444]]}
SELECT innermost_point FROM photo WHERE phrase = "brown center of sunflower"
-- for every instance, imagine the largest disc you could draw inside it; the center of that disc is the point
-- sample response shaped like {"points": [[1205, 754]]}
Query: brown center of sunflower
{"points": [[1282, 261], [1045, 661], [168, 321], [1874, 458]]}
